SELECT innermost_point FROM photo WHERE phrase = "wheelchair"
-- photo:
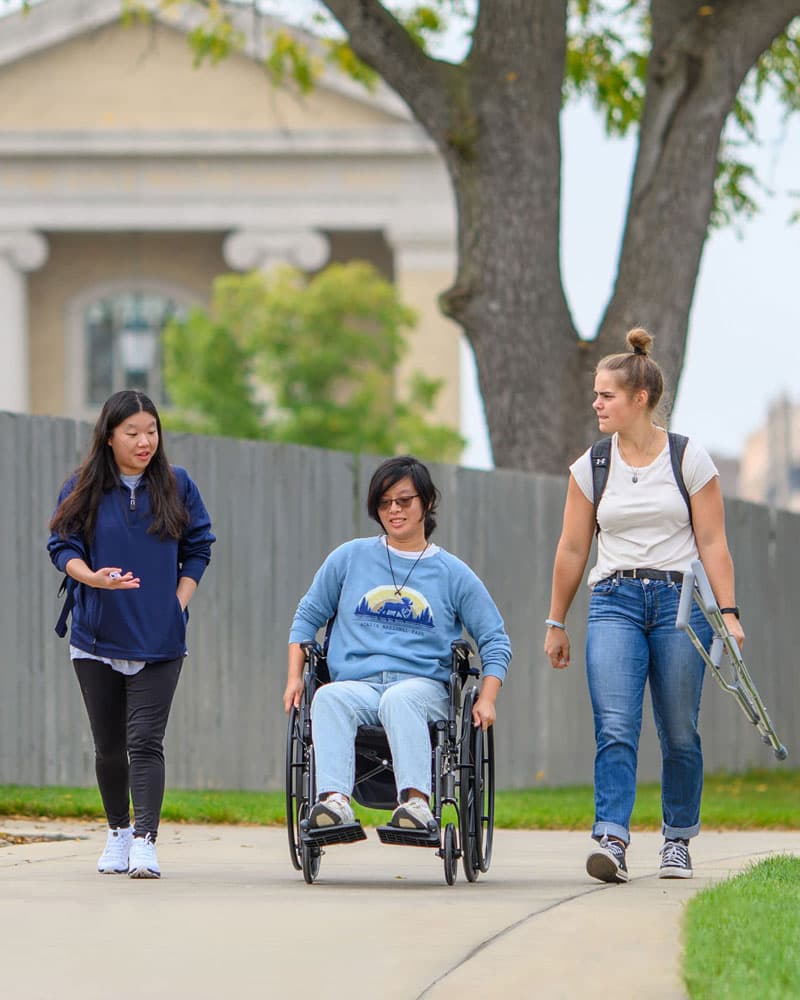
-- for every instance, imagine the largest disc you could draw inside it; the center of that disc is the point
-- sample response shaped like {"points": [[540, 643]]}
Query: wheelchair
{"points": [[462, 772]]}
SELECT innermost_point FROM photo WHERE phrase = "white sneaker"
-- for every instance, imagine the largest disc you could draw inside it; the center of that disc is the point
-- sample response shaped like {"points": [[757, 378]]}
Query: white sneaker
{"points": [[415, 814], [114, 859], [143, 862], [335, 810]]}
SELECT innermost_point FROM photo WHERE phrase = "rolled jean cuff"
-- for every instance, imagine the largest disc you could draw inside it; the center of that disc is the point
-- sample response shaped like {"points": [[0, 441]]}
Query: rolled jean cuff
{"points": [[600, 830], [680, 832]]}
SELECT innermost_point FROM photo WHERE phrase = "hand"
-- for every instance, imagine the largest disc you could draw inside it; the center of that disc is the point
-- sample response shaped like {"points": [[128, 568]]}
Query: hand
{"points": [[734, 626], [556, 647], [483, 712], [293, 693], [112, 578]]}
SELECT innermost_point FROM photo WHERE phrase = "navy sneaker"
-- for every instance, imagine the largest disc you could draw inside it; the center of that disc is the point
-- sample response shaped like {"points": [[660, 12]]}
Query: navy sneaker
{"points": [[675, 860], [607, 861]]}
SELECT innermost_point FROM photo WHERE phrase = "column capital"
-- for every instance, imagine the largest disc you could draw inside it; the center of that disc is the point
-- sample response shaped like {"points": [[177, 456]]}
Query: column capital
{"points": [[25, 249], [419, 250], [249, 249]]}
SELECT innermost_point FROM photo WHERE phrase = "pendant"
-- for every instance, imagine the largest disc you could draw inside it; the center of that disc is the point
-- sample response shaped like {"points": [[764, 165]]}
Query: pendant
{"points": [[634, 478]]}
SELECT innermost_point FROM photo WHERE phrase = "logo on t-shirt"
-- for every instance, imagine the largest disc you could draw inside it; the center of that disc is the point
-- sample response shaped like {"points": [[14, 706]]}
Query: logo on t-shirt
{"points": [[384, 605]]}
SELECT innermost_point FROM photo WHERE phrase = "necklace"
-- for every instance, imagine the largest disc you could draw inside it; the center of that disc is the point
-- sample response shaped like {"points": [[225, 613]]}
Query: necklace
{"points": [[635, 473], [399, 590]]}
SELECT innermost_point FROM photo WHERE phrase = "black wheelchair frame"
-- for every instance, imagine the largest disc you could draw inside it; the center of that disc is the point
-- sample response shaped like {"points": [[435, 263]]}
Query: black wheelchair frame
{"points": [[462, 770]]}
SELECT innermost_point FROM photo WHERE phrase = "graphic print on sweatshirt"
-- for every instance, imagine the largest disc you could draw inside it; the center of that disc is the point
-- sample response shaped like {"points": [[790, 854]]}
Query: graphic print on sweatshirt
{"points": [[383, 606]]}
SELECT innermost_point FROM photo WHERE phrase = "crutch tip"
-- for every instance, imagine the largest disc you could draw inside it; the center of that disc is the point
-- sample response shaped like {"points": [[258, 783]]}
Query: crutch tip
{"points": [[781, 752]]}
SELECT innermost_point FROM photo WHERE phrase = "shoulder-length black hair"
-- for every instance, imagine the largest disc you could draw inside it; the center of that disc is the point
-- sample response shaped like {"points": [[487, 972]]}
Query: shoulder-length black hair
{"points": [[77, 512], [392, 471]]}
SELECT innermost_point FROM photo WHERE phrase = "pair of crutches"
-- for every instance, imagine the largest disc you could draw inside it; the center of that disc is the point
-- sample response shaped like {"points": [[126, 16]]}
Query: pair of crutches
{"points": [[697, 588]]}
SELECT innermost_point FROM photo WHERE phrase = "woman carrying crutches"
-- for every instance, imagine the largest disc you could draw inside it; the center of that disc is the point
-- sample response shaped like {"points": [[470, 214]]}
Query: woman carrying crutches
{"points": [[655, 501]]}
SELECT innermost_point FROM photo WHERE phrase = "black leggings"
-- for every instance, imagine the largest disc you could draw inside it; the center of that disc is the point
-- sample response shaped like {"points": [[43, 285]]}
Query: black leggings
{"points": [[128, 716]]}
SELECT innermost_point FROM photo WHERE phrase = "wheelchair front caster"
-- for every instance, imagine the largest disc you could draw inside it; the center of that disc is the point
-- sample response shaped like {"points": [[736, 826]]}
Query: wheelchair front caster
{"points": [[450, 854]]}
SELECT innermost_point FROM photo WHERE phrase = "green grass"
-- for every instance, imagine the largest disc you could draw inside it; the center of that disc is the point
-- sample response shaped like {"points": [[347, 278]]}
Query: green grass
{"points": [[755, 800], [742, 936]]}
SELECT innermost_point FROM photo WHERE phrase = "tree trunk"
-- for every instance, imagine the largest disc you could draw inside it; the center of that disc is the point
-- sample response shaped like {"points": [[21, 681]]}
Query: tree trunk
{"points": [[495, 119]]}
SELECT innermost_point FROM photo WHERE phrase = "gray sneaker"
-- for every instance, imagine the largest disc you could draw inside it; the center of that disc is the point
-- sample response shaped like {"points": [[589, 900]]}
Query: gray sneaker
{"points": [[335, 810], [413, 815], [675, 860], [607, 861]]}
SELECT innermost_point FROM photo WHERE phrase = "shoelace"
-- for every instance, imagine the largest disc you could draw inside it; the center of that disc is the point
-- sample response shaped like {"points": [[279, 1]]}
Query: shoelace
{"points": [[616, 848], [675, 853]]}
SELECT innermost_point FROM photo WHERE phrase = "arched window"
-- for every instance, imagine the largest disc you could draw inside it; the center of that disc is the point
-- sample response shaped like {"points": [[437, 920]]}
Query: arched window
{"points": [[122, 344]]}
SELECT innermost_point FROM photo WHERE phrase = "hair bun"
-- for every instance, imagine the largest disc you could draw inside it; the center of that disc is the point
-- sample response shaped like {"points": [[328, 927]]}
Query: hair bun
{"points": [[639, 341]]}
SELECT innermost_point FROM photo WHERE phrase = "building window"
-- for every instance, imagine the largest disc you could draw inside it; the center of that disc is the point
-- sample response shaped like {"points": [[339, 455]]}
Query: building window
{"points": [[123, 344]]}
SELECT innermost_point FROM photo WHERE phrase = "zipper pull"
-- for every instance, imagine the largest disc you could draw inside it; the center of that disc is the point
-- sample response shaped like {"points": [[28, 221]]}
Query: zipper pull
{"points": [[133, 500]]}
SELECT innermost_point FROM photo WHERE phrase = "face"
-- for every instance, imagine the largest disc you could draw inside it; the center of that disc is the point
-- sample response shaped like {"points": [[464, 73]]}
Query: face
{"points": [[402, 515], [134, 442], [616, 408]]}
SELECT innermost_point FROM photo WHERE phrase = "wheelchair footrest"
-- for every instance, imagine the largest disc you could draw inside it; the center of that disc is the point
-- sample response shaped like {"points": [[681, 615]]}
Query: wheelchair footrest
{"points": [[407, 837], [323, 836]]}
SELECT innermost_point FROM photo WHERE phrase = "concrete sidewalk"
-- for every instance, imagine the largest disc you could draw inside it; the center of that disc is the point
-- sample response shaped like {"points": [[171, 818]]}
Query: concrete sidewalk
{"points": [[231, 918]]}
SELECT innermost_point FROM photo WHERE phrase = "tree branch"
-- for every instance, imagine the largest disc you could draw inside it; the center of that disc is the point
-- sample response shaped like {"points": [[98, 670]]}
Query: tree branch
{"points": [[379, 40], [693, 78]]}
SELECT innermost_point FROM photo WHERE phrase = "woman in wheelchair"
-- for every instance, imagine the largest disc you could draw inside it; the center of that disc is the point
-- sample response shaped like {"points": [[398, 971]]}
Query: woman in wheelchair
{"points": [[397, 602]]}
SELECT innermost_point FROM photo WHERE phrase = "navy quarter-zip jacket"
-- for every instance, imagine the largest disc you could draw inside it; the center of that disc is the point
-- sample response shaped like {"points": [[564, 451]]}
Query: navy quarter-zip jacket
{"points": [[144, 624]]}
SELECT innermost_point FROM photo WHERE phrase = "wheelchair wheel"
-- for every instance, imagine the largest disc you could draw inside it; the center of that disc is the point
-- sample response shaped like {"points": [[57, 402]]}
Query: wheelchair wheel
{"points": [[450, 854], [312, 856], [295, 804], [476, 793]]}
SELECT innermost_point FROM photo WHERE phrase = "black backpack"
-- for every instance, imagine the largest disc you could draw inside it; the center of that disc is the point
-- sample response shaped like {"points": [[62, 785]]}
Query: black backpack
{"points": [[601, 462]]}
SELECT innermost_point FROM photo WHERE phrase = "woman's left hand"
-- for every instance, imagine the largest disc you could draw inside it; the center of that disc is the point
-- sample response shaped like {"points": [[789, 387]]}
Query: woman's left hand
{"points": [[483, 712], [734, 626]]}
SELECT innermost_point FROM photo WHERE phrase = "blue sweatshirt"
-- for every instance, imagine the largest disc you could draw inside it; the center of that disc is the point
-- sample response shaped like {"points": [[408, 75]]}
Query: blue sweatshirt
{"points": [[377, 630], [144, 624]]}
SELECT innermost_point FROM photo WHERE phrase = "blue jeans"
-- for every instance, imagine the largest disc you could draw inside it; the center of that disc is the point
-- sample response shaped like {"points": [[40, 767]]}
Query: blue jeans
{"points": [[403, 705], [631, 638]]}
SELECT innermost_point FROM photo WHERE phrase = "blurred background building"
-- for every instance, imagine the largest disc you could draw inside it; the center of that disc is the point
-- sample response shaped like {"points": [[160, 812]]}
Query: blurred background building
{"points": [[129, 179]]}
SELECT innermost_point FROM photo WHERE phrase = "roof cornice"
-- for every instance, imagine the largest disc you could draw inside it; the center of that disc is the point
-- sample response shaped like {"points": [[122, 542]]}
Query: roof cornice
{"points": [[403, 139], [54, 22]]}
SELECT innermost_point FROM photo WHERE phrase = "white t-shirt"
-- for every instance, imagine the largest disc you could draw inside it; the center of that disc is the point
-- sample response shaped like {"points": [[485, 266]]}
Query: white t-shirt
{"points": [[644, 524]]}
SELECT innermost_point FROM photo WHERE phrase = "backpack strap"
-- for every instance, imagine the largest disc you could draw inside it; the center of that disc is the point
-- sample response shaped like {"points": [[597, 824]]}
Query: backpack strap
{"points": [[677, 449], [601, 463], [67, 588]]}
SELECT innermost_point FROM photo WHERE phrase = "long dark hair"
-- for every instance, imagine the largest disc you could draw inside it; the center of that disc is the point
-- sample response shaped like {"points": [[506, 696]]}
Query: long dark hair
{"points": [[77, 512], [392, 471]]}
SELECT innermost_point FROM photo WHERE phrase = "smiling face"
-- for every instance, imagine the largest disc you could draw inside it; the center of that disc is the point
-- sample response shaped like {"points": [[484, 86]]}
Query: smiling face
{"points": [[134, 442], [617, 409], [403, 516]]}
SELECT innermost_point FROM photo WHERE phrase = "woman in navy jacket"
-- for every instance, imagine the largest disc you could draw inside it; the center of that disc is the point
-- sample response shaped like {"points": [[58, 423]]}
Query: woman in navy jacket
{"points": [[133, 534]]}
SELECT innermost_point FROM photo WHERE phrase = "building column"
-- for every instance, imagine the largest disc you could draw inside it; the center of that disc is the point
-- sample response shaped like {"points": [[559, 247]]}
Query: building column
{"points": [[261, 249], [20, 251], [424, 266]]}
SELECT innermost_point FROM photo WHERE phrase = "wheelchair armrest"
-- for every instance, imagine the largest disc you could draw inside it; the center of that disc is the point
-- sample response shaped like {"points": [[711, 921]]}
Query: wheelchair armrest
{"points": [[462, 651]]}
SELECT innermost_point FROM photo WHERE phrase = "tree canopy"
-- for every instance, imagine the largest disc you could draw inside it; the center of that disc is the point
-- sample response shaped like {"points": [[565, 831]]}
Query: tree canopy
{"points": [[282, 357]]}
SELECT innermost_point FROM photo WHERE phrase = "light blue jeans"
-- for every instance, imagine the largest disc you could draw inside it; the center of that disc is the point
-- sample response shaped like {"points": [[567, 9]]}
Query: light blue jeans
{"points": [[403, 705], [632, 639]]}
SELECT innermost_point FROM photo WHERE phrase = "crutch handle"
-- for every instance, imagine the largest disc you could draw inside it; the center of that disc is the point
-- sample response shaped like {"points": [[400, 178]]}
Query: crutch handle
{"points": [[685, 603]]}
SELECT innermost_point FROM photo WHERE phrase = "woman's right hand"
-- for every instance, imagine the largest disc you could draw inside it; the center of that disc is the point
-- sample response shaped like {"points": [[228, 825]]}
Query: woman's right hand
{"points": [[112, 578], [293, 693], [556, 647]]}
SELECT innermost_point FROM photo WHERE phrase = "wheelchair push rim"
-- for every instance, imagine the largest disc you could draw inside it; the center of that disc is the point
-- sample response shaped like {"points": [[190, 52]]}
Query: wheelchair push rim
{"points": [[294, 794], [476, 793]]}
